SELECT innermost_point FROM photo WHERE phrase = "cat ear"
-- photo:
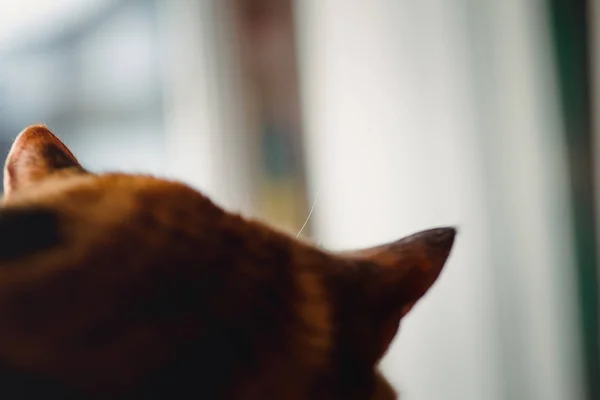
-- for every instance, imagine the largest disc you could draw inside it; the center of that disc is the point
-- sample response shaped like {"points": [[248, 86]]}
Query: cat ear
{"points": [[400, 273], [35, 154]]}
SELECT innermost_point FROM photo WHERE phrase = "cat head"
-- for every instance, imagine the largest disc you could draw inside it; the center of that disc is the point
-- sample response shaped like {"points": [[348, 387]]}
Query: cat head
{"points": [[112, 280]]}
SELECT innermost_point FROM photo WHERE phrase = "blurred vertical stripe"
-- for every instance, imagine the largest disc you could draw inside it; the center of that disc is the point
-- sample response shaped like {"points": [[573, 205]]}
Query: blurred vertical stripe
{"points": [[570, 29]]}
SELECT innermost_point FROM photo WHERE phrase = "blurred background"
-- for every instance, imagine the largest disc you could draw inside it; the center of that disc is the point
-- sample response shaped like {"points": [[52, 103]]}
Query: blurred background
{"points": [[388, 117]]}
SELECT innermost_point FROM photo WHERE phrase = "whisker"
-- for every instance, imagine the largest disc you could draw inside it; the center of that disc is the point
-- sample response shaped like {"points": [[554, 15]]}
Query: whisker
{"points": [[309, 214]]}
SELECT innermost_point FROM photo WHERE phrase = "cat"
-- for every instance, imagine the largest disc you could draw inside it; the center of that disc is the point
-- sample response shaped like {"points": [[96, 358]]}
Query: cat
{"points": [[129, 286]]}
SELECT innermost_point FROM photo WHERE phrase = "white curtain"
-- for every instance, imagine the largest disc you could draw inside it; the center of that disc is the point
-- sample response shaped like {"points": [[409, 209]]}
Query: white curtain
{"points": [[207, 127], [436, 112]]}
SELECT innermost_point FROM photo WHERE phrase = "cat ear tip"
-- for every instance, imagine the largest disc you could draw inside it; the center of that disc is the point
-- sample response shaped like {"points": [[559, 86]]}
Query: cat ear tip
{"points": [[35, 129], [37, 125], [31, 137], [441, 237]]}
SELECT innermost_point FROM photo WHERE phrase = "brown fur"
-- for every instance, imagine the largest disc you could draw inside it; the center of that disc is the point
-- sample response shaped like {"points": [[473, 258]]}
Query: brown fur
{"points": [[128, 286]]}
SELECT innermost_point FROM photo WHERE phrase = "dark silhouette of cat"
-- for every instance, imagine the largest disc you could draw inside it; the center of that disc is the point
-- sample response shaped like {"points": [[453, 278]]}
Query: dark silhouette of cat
{"points": [[129, 286]]}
